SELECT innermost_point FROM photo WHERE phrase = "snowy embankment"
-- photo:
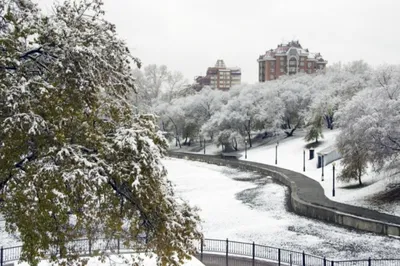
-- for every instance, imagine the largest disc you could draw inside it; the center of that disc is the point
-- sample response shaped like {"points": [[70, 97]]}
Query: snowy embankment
{"points": [[290, 156], [245, 206]]}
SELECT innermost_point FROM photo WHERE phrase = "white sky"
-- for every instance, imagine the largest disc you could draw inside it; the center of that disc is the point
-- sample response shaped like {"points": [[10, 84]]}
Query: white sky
{"points": [[190, 35]]}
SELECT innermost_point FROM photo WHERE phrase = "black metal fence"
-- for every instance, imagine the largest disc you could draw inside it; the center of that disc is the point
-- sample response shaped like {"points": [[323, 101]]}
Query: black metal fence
{"points": [[83, 247], [227, 248], [258, 253]]}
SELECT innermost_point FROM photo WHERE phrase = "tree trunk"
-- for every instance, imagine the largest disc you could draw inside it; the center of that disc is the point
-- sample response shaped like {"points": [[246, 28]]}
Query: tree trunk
{"points": [[234, 144], [290, 133], [288, 123], [176, 133], [329, 121], [178, 142], [249, 134]]}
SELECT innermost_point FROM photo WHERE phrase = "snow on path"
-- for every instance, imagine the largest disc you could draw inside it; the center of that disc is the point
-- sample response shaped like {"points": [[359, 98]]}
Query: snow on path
{"points": [[256, 211]]}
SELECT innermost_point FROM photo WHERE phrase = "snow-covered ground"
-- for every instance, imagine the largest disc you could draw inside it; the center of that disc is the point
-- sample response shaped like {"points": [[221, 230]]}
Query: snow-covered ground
{"points": [[9, 241], [5, 239], [244, 206], [290, 156], [114, 260]]}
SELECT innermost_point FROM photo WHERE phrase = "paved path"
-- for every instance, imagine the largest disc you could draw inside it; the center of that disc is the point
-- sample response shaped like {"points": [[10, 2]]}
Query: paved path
{"points": [[311, 191], [220, 260], [308, 189]]}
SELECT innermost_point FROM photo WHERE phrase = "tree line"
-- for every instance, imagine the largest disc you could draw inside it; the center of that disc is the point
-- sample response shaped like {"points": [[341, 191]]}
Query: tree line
{"points": [[360, 100]]}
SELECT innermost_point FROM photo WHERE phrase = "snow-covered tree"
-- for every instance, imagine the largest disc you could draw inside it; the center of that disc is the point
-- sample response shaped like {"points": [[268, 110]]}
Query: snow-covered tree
{"points": [[75, 161], [314, 128], [370, 122], [296, 95], [248, 108]]}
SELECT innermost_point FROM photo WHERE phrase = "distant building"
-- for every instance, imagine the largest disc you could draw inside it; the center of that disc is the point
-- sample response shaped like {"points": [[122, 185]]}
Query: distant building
{"points": [[288, 59], [219, 77]]}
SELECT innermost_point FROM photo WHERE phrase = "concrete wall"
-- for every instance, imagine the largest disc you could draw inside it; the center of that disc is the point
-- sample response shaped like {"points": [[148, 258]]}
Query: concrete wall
{"points": [[299, 206]]}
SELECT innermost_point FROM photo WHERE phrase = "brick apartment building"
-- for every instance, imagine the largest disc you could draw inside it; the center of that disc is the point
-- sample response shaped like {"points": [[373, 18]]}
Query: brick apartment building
{"points": [[290, 59], [219, 77]]}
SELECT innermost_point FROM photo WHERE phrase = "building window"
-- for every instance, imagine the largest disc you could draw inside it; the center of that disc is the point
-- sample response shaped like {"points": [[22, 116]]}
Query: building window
{"points": [[301, 63], [309, 64], [272, 70]]}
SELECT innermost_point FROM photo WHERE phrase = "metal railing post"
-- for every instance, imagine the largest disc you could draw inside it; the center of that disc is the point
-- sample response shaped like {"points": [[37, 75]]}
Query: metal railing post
{"points": [[1, 256], [227, 250], [227, 247], [304, 259], [254, 253], [279, 256], [324, 261], [369, 261], [118, 244], [332, 263], [90, 247], [290, 259], [201, 249]]}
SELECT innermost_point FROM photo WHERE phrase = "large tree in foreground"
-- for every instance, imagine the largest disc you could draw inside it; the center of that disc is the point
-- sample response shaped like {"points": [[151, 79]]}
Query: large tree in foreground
{"points": [[75, 162]]}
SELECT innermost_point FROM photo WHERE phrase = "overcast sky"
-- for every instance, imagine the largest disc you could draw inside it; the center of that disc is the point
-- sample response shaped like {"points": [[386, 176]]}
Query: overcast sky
{"points": [[190, 35]]}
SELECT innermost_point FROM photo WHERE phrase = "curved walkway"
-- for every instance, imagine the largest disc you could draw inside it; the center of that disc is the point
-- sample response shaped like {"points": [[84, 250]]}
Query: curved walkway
{"points": [[220, 260], [308, 198]]}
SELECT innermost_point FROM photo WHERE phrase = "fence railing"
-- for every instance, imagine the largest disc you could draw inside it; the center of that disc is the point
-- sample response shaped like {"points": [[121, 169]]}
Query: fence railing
{"points": [[258, 253], [227, 248]]}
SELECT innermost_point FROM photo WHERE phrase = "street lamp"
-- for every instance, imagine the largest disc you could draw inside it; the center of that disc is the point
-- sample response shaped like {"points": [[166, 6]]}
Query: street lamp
{"points": [[304, 160], [276, 152], [333, 182], [322, 164], [245, 148]]}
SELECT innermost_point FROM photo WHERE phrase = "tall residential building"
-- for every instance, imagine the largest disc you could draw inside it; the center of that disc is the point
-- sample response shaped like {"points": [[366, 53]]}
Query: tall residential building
{"points": [[220, 77], [288, 59]]}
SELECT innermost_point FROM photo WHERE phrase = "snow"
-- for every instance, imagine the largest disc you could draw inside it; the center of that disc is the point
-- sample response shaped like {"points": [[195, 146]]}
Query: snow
{"points": [[290, 156], [244, 206], [7, 240], [123, 260]]}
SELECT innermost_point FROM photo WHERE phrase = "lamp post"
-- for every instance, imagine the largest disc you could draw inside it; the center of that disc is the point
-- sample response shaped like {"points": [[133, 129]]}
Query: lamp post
{"points": [[333, 182], [276, 152], [322, 165], [245, 148], [304, 160], [204, 143]]}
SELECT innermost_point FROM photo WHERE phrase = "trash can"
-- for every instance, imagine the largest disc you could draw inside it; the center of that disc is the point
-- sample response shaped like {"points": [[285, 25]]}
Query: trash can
{"points": [[311, 154]]}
